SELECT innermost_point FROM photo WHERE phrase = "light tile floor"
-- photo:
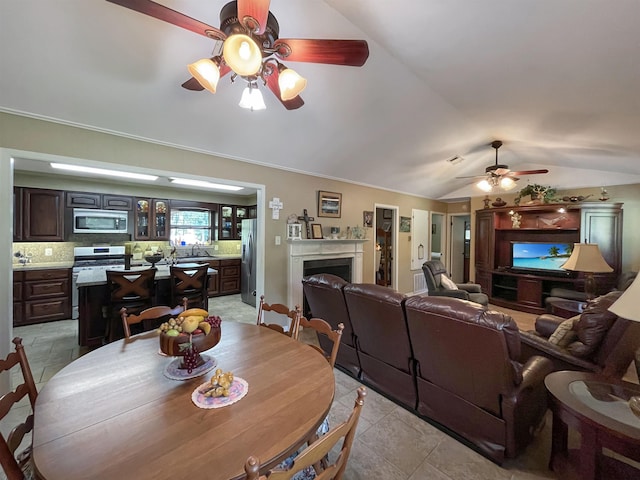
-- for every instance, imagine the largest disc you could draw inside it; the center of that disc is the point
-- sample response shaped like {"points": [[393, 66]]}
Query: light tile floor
{"points": [[391, 443]]}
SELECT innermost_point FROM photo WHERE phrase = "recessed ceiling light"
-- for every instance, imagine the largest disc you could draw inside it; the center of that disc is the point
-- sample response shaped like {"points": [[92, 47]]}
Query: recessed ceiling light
{"points": [[202, 183], [103, 171]]}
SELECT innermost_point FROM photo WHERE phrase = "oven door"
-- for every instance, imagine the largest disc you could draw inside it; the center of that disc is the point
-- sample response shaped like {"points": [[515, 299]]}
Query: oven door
{"points": [[99, 221]]}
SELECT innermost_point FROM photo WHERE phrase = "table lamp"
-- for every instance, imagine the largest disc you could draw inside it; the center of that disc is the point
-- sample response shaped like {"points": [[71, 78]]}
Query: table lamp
{"points": [[586, 258], [627, 307]]}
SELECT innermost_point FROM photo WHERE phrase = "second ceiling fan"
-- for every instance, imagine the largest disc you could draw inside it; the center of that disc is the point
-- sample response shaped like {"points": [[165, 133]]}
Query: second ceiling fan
{"points": [[499, 175], [252, 50]]}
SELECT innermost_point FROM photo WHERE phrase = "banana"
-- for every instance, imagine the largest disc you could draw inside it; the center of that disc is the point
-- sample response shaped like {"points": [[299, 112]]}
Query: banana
{"points": [[195, 312], [205, 327]]}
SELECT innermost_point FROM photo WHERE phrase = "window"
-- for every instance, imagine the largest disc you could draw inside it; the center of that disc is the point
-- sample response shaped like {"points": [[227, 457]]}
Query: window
{"points": [[190, 226]]}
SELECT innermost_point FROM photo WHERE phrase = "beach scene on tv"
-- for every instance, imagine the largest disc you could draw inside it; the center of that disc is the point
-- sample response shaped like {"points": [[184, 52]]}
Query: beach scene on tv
{"points": [[540, 256]]}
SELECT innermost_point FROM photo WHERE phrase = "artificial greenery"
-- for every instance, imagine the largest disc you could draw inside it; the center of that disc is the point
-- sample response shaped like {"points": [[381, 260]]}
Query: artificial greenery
{"points": [[547, 194]]}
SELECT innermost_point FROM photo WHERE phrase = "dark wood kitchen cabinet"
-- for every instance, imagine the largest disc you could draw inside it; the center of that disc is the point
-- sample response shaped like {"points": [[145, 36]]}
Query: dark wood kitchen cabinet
{"points": [[229, 275], [151, 219], [230, 226], [17, 214], [42, 215], [41, 295], [99, 200]]}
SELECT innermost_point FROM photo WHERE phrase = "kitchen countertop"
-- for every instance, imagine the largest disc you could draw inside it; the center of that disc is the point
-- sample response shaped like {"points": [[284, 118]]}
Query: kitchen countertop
{"points": [[89, 278], [42, 265]]}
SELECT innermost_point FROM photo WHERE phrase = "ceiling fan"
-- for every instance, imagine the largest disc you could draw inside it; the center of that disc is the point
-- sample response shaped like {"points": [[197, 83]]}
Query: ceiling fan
{"points": [[499, 175], [248, 46]]}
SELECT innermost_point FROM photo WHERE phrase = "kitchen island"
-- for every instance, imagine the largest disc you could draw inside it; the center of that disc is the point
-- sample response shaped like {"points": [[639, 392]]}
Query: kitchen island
{"points": [[93, 300]]}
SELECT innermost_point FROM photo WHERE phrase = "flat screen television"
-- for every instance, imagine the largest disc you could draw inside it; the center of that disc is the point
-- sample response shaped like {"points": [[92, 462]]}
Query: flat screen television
{"points": [[543, 257]]}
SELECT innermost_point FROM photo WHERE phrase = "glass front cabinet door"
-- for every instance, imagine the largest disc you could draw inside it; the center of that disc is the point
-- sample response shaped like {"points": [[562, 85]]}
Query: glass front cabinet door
{"points": [[152, 219]]}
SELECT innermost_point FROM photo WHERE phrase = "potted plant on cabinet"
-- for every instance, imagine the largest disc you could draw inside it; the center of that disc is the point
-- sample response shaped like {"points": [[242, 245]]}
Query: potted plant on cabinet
{"points": [[538, 193]]}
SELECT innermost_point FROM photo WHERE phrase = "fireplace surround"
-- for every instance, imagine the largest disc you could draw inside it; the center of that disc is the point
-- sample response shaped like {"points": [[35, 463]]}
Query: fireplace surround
{"points": [[335, 255]]}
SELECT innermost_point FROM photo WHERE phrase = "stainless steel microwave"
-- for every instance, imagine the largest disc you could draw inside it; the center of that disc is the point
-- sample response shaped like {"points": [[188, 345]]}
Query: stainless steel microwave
{"points": [[86, 220]]}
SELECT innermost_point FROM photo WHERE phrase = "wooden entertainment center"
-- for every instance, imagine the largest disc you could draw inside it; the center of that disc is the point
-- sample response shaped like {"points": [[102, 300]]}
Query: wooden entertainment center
{"points": [[586, 222]]}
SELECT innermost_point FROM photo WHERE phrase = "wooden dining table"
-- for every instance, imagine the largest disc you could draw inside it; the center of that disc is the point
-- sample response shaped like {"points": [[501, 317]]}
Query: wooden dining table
{"points": [[113, 414]]}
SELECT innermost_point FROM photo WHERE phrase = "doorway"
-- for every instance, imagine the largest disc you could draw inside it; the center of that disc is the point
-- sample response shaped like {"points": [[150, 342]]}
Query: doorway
{"points": [[385, 252], [460, 247]]}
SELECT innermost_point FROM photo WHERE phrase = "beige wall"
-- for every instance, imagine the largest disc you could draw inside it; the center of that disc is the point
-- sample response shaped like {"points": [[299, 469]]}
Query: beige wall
{"points": [[296, 191]]}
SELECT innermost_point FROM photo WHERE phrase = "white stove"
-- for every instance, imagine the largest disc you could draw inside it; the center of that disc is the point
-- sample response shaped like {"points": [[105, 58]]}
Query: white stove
{"points": [[94, 258]]}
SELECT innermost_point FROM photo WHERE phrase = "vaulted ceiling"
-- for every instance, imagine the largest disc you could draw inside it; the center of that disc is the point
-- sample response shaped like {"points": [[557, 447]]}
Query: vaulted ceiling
{"points": [[556, 80]]}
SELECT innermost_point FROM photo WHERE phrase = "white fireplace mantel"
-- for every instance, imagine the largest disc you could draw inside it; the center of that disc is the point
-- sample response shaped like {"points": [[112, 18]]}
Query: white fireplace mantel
{"points": [[304, 250]]}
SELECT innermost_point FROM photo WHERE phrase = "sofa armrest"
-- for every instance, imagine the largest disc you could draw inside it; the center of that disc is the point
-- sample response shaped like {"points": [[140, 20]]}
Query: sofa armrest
{"points": [[534, 371], [560, 357], [469, 287], [546, 324], [461, 294]]}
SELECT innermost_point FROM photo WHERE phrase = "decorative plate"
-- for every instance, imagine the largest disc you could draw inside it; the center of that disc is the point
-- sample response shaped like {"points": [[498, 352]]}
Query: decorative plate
{"points": [[174, 372], [238, 389]]}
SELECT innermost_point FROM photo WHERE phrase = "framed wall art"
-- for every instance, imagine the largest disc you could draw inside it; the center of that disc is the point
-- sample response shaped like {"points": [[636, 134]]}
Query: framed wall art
{"points": [[367, 219], [316, 231], [329, 204], [405, 224]]}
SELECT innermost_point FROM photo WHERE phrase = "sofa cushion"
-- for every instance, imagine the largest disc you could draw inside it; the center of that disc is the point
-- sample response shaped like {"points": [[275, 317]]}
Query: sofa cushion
{"points": [[593, 325], [447, 283], [564, 334]]}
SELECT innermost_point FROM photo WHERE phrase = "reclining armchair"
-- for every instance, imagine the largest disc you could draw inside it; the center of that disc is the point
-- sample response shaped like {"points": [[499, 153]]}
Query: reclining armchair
{"points": [[439, 284], [624, 280], [595, 341]]}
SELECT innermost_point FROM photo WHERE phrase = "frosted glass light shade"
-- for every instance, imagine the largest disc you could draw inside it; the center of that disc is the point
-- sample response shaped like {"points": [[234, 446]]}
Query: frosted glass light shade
{"points": [[242, 54], [291, 84], [206, 72], [252, 99], [484, 185], [507, 183]]}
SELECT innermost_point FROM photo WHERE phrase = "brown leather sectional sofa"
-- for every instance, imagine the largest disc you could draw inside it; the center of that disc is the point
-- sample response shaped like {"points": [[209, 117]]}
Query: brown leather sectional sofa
{"points": [[447, 360]]}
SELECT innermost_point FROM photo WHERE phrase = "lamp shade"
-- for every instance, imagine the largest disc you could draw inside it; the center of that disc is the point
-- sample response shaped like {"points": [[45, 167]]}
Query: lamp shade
{"points": [[484, 185], [206, 72], [252, 99], [242, 54], [290, 83], [627, 304], [586, 257], [507, 183]]}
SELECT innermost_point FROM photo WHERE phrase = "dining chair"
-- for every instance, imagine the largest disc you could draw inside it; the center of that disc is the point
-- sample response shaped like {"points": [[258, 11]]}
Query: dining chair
{"points": [[280, 309], [190, 282], [132, 289], [323, 328], [309, 459], [17, 467], [150, 318]]}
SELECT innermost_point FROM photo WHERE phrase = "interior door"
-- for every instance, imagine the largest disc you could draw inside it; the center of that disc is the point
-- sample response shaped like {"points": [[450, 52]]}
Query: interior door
{"points": [[460, 229]]}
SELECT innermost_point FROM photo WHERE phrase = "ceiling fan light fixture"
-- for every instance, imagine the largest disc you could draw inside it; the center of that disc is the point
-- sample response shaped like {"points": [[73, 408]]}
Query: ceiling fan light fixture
{"points": [[507, 183], [290, 82], [242, 54], [206, 72], [252, 98]]}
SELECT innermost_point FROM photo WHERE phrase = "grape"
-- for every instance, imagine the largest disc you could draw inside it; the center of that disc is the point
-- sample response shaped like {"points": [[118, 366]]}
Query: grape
{"points": [[191, 358], [214, 321]]}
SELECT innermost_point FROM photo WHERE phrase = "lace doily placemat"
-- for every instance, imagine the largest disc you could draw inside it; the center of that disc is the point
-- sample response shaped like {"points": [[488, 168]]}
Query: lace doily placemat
{"points": [[174, 372], [238, 389]]}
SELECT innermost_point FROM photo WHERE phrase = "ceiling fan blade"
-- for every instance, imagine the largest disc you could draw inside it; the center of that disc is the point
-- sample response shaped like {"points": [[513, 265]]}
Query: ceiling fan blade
{"points": [[257, 10], [168, 15], [336, 52], [193, 84], [272, 83], [501, 171], [527, 172]]}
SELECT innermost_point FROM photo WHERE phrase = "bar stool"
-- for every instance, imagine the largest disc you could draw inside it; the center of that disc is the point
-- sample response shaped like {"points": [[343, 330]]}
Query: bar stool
{"points": [[189, 282], [131, 289]]}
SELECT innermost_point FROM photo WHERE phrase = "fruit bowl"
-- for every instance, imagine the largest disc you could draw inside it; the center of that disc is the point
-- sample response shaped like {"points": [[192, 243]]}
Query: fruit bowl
{"points": [[192, 332], [153, 259]]}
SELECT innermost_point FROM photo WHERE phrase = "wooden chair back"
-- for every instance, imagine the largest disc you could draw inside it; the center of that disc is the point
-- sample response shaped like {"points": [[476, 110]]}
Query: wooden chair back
{"points": [[14, 468], [189, 282], [323, 328], [293, 316], [313, 455], [151, 317], [133, 289]]}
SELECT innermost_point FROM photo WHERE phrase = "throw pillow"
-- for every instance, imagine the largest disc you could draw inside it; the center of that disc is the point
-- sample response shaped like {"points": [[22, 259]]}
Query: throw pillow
{"points": [[447, 283], [564, 334]]}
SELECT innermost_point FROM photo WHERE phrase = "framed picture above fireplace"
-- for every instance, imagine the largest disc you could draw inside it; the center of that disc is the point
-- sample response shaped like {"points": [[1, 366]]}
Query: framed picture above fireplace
{"points": [[316, 230], [329, 204]]}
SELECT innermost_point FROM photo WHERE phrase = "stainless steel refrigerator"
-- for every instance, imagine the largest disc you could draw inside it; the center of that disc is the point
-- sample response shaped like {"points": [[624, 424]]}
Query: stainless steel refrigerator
{"points": [[248, 266]]}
